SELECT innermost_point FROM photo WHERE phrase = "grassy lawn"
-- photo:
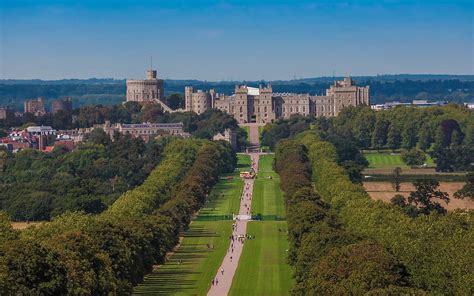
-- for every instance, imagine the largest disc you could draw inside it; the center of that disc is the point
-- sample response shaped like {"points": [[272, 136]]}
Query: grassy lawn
{"points": [[199, 265], [194, 275], [247, 129], [389, 160], [262, 267], [268, 198], [225, 196]]}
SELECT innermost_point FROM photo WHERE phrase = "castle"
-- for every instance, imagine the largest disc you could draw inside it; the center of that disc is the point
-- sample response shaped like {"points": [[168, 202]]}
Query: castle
{"points": [[262, 105], [251, 104]]}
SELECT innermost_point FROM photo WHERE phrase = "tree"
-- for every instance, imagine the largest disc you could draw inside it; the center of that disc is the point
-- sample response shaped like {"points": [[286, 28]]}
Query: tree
{"points": [[425, 137], [353, 170], [98, 136], [394, 138], [396, 178], [468, 189], [413, 157], [426, 191], [379, 136], [354, 270], [409, 136], [175, 101]]}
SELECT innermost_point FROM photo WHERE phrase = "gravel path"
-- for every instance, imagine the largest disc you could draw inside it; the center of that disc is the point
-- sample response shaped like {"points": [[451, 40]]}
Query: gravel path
{"points": [[223, 279]]}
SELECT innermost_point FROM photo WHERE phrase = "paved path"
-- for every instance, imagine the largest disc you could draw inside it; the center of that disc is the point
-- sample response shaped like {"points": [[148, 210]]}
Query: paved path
{"points": [[225, 274]]}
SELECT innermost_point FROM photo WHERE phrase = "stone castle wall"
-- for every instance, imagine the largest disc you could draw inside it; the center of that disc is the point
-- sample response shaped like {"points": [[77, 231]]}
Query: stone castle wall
{"points": [[261, 105]]}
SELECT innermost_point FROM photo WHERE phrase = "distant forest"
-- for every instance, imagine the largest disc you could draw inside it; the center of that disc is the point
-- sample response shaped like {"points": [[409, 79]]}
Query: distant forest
{"points": [[403, 88]]}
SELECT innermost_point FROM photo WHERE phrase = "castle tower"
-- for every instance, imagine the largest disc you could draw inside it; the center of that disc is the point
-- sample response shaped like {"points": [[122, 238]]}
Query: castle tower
{"points": [[151, 74], [146, 90], [188, 98]]}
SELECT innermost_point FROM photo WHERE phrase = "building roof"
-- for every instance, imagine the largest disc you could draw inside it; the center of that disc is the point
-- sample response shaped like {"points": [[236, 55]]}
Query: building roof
{"points": [[253, 91]]}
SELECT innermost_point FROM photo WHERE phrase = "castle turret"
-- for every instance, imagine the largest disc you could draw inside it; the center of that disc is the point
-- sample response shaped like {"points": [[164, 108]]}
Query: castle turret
{"points": [[188, 98]]}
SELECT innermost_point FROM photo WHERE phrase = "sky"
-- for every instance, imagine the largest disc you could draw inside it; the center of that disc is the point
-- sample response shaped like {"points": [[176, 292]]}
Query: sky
{"points": [[234, 40]]}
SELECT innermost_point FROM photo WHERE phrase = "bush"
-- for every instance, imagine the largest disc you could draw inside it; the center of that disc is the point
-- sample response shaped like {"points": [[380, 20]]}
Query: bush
{"points": [[413, 157]]}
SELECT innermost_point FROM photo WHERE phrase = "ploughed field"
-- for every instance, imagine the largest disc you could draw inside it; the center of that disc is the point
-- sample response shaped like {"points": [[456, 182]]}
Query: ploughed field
{"points": [[384, 191]]}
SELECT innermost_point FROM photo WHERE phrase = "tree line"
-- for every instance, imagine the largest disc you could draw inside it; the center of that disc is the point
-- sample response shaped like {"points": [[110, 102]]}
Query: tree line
{"points": [[445, 133], [83, 254], [326, 258], [342, 242]]}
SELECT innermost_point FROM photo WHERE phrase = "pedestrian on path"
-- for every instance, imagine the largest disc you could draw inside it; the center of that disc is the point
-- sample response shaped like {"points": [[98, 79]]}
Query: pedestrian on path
{"points": [[222, 271]]}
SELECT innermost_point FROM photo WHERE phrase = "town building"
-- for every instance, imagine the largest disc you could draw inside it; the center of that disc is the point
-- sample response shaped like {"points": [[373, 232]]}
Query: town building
{"points": [[61, 104], [35, 107], [262, 105], [414, 103], [3, 112]]}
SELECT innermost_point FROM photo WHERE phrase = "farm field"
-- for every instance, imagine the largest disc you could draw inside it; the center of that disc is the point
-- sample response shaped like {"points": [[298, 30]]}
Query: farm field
{"points": [[263, 269], [268, 198], [199, 263], [384, 191]]}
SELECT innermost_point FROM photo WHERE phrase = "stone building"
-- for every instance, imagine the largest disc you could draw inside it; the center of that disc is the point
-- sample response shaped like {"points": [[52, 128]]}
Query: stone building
{"points": [[35, 107], [262, 105], [3, 112], [146, 130], [229, 136], [61, 104], [199, 101]]}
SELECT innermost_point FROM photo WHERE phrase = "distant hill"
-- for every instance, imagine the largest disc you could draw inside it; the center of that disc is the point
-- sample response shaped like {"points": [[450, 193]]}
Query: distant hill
{"points": [[107, 91]]}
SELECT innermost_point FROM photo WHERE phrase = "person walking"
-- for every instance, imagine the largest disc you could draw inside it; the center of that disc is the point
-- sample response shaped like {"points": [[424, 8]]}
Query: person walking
{"points": [[222, 271]]}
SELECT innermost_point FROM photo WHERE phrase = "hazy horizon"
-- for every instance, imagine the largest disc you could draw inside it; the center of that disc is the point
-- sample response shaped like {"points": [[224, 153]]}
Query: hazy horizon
{"points": [[234, 40]]}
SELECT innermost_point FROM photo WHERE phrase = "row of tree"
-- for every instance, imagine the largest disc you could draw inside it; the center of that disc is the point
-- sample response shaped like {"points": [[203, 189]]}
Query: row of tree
{"points": [[327, 259], [431, 252], [80, 254], [446, 133]]}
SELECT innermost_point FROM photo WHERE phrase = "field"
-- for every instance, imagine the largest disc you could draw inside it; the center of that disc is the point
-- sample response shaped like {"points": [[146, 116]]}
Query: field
{"points": [[389, 160], [384, 191], [247, 129], [199, 263], [269, 197], [23, 225], [262, 267], [225, 196]]}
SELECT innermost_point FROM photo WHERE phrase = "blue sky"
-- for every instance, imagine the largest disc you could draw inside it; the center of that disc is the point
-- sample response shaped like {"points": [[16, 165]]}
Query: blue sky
{"points": [[222, 40]]}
